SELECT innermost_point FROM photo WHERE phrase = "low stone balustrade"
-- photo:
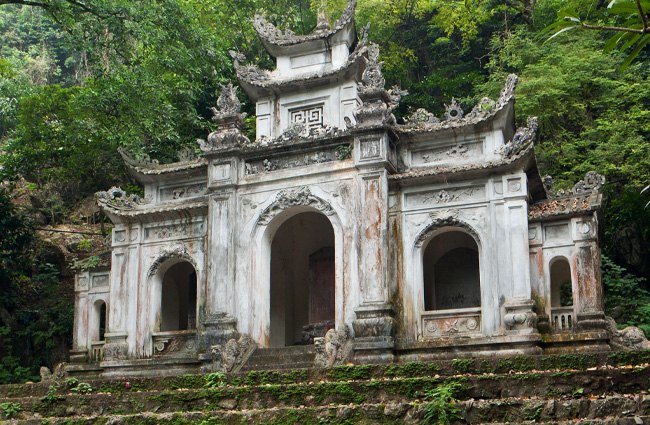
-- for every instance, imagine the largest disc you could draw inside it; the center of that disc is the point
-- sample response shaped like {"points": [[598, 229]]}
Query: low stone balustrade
{"points": [[563, 319]]}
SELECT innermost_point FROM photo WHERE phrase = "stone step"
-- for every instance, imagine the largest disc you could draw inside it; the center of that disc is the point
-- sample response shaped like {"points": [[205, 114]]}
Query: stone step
{"points": [[585, 392], [613, 410], [487, 369], [281, 358]]}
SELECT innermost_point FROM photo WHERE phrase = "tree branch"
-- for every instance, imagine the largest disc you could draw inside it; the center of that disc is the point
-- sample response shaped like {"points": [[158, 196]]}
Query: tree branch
{"points": [[643, 17], [26, 3], [608, 28]]}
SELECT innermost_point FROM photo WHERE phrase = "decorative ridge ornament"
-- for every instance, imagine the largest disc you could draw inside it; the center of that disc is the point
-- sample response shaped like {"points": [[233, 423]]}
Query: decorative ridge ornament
{"points": [[453, 111], [144, 162], [372, 77], [118, 199], [269, 33], [377, 103], [146, 165], [508, 91], [248, 72], [521, 140], [322, 23], [422, 116], [422, 119], [592, 183]]}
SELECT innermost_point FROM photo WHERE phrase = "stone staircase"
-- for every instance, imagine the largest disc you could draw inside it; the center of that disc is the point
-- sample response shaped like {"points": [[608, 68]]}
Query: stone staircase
{"points": [[596, 388], [283, 358]]}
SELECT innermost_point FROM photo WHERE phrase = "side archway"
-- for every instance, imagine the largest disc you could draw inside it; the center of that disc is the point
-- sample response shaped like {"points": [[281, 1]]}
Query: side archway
{"points": [[451, 271], [173, 294], [446, 279]]}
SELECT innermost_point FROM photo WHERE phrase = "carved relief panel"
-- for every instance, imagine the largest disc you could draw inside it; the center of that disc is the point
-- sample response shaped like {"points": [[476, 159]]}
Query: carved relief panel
{"points": [[459, 152]]}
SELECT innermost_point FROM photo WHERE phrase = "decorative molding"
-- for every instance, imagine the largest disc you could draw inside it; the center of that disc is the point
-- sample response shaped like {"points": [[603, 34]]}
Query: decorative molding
{"points": [[462, 150], [290, 198], [370, 149]]}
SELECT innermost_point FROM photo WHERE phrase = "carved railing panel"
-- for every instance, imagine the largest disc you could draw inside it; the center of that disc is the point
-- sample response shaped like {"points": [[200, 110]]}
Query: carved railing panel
{"points": [[97, 351], [450, 323], [563, 319], [175, 343]]}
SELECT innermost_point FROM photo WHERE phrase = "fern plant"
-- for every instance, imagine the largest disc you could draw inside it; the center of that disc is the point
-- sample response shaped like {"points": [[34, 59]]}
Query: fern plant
{"points": [[442, 408]]}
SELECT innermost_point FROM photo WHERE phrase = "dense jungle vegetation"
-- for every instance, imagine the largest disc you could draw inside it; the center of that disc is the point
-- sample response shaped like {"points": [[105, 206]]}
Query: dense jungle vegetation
{"points": [[78, 79]]}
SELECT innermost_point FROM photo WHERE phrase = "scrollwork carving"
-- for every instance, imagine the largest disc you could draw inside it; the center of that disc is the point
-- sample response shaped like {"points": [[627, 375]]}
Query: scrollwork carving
{"points": [[168, 252], [444, 218], [291, 198]]}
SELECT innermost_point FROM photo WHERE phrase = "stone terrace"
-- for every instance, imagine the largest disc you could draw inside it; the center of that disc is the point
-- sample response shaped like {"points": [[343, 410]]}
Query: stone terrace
{"points": [[601, 388]]}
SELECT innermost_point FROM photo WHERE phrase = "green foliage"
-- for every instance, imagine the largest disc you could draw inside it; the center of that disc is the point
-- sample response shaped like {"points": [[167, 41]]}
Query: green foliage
{"points": [[214, 380], [17, 238], [626, 297], [9, 409], [52, 396], [578, 95], [349, 373], [442, 408], [87, 263], [631, 31], [82, 388], [464, 365]]}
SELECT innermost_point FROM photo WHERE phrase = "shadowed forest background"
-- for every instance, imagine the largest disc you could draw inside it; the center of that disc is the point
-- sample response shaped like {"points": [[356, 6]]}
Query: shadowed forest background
{"points": [[80, 79]]}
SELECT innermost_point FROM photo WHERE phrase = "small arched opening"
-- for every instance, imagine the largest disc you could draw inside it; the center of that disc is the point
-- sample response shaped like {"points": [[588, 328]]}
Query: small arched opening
{"points": [[100, 321], [562, 316], [178, 298], [302, 280], [451, 271], [98, 330]]}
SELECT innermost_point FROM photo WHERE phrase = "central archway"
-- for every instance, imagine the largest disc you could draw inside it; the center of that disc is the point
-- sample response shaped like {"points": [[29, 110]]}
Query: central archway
{"points": [[302, 279]]}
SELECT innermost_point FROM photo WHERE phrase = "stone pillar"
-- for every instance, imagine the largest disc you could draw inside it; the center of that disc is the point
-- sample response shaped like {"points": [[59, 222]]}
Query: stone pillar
{"points": [[513, 250], [80, 340], [590, 314], [223, 152], [116, 346], [375, 157], [520, 317]]}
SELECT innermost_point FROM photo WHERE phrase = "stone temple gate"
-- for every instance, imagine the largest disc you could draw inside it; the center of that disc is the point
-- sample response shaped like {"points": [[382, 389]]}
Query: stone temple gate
{"points": [[339, 227]]}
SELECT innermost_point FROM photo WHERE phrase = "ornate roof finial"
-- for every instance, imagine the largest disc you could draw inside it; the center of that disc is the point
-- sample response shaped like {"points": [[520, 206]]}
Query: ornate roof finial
{"points": [[228, 102], [230, 122], [323, 23], [372, 76]]}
